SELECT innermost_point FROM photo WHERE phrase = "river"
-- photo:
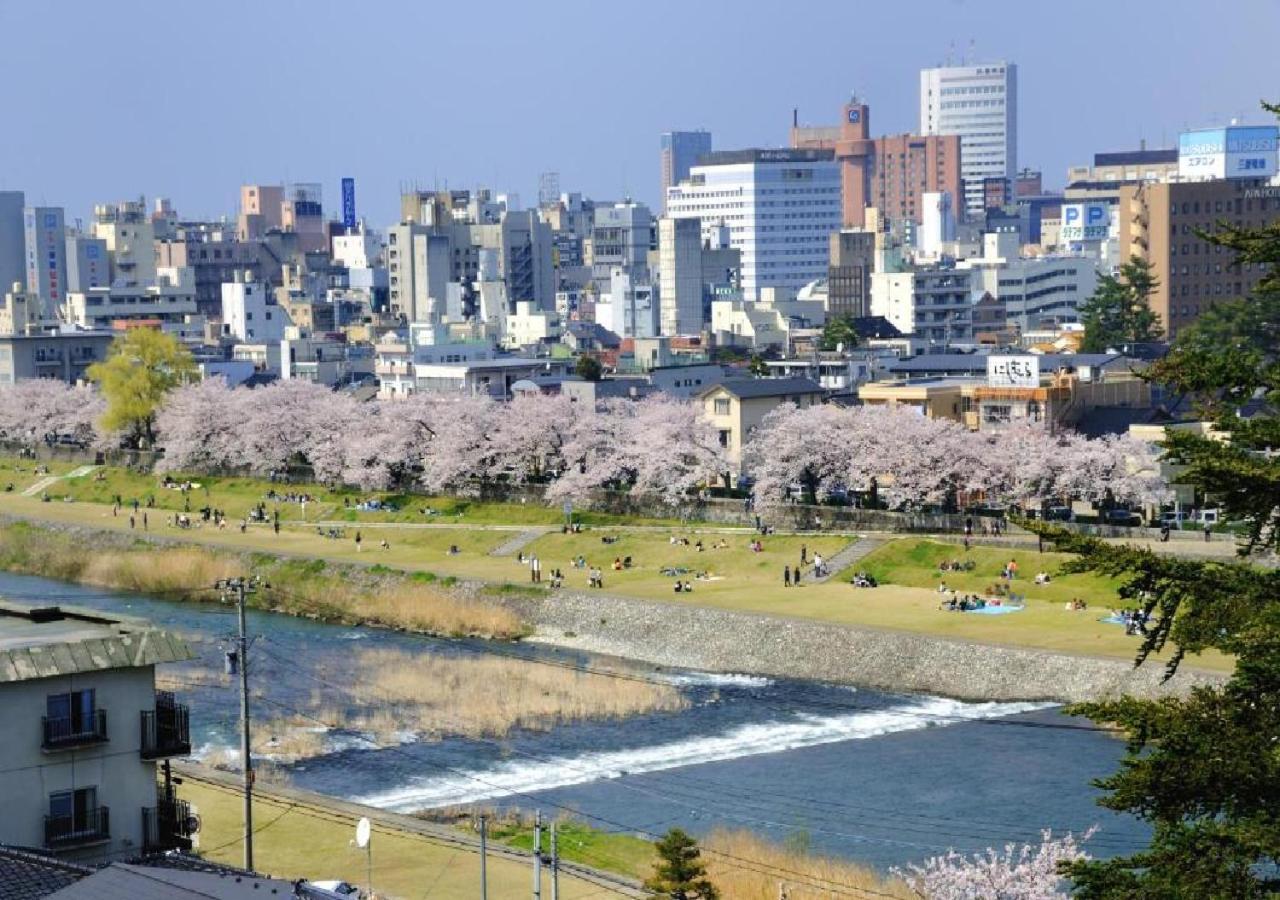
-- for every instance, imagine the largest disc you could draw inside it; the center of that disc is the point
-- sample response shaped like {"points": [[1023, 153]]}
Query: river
{"points": [[881, 778]]}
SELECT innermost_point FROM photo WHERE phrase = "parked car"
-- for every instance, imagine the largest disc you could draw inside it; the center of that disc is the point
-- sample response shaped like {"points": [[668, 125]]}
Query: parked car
{"points": [[1126, 517], [341, 890], [1058, 514]]}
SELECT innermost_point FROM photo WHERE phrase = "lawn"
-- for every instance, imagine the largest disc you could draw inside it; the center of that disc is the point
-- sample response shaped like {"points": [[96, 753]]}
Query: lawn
{"points": [[298, 842], [750, 582], [21, 473], [580, 843], [237, 495]]}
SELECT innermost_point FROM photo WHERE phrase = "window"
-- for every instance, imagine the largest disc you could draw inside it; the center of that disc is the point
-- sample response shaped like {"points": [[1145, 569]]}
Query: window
{"points": [[997, 413], [69, 716], [74, 813], [724, 437], [722, 406]]}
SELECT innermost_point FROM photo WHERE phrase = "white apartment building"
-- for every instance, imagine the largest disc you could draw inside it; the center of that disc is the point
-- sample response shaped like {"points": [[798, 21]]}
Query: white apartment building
{"points": [[250, 313], [529, 326], [680, 276], [1035, 291], [979, 103], [130, 237], [170, 300], [934, 304], [780, 207], [84, 727]]}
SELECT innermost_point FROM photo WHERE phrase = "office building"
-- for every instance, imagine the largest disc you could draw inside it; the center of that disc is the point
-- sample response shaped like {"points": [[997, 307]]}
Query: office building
{"points": [[849, 273], [980, 105], [933, 303], [261, 207], [170, 301], [88, 263], [84, 728], [1161, 223], [681, 151], [680, 276], [621, 236], [130, 238], [46, 248], [890, 173], [13, 266], [250, 313], [780, 207]]}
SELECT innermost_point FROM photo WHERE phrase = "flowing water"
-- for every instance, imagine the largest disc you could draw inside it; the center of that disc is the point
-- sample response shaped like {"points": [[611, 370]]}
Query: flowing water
{"points": [[873, 776]]}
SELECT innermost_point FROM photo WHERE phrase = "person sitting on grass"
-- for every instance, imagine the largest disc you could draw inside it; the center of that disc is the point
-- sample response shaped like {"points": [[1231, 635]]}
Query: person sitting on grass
{"points": [[453, 549], [1042, 578], [617, 564], [942, 587]]}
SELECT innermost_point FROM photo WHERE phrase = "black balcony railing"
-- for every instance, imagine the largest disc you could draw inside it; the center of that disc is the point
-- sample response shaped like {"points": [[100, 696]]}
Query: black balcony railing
{"points": [[168, 825], [64, 731], [82, 828], [166, 730]]}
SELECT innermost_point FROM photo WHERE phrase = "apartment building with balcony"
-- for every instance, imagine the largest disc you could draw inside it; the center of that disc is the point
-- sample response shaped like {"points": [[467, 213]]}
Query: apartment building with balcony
{"points": [[84, 730]]}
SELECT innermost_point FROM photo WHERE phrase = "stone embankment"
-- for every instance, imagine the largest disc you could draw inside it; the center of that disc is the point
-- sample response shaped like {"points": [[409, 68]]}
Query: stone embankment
{"points": [[670, 634]]}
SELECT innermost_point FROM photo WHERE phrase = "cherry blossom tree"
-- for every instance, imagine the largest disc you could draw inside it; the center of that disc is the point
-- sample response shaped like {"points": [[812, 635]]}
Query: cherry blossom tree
{"points": [[1019, 873], [806, 446], [673, 448], [199, 427], [34, 408], [529, 436], [457, 449]]}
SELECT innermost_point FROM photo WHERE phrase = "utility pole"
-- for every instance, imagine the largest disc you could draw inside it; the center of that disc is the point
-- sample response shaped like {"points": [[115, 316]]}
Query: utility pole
{"points": [[555, 866], [537, 855], [240, 587], [484, 876]]}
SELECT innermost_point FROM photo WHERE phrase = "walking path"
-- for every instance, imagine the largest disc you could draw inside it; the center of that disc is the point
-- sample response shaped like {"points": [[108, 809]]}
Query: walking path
{"points": [[45, 483], [846, 558], [520, 541]]}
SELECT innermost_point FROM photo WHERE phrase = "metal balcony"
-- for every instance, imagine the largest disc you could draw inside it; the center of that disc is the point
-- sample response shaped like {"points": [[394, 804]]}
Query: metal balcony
{"points": [[169, 825], [166, 730], [87, 827], [64, 733]]}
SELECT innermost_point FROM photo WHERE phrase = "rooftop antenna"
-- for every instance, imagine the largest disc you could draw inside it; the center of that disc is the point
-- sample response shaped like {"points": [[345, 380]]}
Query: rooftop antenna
{"points": [[973, 53], [951, 49]]}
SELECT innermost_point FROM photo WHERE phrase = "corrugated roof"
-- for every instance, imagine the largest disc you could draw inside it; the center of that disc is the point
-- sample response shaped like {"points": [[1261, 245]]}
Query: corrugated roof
{"points": [[977, 362]]}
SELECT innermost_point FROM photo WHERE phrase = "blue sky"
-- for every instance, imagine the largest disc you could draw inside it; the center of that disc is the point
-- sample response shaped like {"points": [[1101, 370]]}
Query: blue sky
{"points": [[105, 101]]}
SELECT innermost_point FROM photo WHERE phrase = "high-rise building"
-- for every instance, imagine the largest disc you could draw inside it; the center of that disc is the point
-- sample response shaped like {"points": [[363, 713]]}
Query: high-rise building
{"points": [[13, 269], [1161, 222], [88, 263], [780, 207], [46, 247], [980, 104], [130, 238], [890, 173], [680, 276], [680, 153], [621, 235]]}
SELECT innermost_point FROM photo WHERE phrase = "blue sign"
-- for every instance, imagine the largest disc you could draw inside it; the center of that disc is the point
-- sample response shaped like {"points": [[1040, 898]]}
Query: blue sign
{"points": [[349, 202], [855, 116], [50, 220]]}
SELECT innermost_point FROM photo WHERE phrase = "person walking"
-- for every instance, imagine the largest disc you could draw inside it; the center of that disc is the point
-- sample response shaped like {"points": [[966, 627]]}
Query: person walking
{"points": [[1207, 530], [786, 576], [132, 523], [144, 521], [535, 569], [358, 540], [804, 554]]}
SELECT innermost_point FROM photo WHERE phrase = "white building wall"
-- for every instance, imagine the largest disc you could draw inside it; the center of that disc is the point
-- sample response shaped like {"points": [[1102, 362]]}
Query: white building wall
{"points": [[780, 207], [979, 103], [249, 317], [680, 275]]}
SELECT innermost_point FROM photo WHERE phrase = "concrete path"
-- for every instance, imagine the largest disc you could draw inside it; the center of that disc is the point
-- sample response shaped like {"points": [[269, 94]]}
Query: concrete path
{"points": [[519, 542], [845, 558], [45, 483]]}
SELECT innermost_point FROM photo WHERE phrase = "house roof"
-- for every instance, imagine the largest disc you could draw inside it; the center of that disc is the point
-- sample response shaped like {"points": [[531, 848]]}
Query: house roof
{"points": [[123, 881], [29, 875], [748, 388], [45, 642], [976, 363]]}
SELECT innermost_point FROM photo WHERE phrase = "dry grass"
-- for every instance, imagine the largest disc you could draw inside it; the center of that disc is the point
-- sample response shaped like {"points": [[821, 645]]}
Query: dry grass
{"points": [[312, 588], [839, 876], [486, 697], [168, 571]]}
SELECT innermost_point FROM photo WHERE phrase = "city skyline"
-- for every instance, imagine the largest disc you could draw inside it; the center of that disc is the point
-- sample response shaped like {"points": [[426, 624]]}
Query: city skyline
{"points": [[336, 95]]}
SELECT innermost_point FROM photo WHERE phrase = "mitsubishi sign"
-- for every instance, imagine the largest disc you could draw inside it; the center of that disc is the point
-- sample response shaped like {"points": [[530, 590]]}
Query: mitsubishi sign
{"points": [[1085, 222], [1240, 151]]}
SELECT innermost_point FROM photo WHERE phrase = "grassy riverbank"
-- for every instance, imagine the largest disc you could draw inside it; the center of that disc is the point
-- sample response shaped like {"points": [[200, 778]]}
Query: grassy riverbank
{"points": [[313, 588]]}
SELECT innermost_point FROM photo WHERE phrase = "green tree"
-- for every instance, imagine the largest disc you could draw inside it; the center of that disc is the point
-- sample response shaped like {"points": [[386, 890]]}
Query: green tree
{"points": [[756, 366], [839, 332], [1204, 770], [679, 873], [141, 367], [588, 368], [1119, 312]]}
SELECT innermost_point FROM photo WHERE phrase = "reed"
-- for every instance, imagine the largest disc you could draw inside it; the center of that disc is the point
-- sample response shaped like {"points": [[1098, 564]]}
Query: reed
{"points": [[811, 877], [482, 697], [311, 588]]}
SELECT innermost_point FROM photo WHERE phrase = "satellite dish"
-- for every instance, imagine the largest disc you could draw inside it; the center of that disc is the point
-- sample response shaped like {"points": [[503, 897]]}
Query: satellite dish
{"points": [[363, 832]]}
